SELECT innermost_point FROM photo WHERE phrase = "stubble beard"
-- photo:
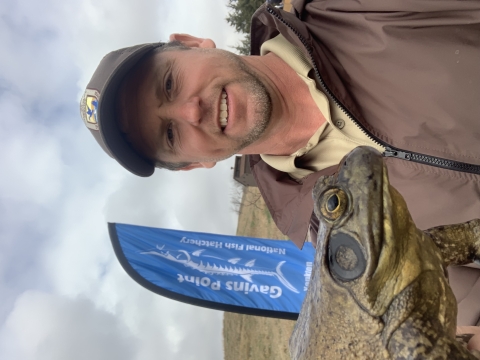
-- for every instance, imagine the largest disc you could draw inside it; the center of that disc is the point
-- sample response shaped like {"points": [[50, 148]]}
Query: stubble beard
{"points": [[262, 105]]}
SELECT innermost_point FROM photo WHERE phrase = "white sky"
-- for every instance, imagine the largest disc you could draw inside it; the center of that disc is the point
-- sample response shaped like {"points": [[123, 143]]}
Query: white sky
{"points": [[63, 293]]}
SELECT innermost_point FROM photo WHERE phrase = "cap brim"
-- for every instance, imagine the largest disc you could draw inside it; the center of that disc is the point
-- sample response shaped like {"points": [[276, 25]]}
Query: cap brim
{"points": [[119, 148]]}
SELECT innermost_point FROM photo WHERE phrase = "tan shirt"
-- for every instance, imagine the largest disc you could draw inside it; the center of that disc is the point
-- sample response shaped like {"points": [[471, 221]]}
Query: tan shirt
{"points": [[333, 139]]}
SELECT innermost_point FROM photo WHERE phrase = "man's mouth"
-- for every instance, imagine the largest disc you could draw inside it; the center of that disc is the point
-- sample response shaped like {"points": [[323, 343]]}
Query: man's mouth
{"points": [[223, 111]]}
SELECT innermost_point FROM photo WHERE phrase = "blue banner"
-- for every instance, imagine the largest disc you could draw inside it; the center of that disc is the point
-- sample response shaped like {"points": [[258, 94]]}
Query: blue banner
{"points": [[231, 273]]}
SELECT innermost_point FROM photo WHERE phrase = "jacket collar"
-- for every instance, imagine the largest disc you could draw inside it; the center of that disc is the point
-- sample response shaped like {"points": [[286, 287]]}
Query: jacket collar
{"points": [[268, 22]]}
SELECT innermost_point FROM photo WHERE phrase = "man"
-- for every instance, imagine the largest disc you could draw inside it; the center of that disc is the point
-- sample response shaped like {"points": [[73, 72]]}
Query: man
{"points": [[403, 77]]}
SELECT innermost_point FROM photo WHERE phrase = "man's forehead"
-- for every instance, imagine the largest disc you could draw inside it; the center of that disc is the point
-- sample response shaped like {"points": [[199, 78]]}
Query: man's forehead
{"points": [[154, 63], [149, 69], [129, 90]]}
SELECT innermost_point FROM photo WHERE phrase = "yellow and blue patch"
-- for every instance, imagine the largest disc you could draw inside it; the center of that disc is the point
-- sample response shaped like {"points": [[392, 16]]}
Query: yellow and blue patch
{"points": [[92, 105], [89, 108]]}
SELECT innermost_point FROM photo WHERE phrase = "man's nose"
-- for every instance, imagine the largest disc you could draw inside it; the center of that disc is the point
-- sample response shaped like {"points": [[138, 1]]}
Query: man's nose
{"points": [[188, 111]]}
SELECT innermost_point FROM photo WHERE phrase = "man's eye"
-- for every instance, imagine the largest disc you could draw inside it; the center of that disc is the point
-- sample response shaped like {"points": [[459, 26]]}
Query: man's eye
{"points": [[170, 134], [168, 85]]}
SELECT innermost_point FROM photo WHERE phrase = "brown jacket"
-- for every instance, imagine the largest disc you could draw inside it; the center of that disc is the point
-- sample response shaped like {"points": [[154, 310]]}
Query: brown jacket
{"points": [[408, 73]]}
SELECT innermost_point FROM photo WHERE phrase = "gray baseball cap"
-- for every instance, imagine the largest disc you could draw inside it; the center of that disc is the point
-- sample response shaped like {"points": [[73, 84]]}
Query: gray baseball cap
{"points": [[97, 107]]}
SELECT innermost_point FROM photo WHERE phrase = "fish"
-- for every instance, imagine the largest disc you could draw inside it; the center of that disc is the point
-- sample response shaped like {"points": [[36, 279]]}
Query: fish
{"points": [[379, 286]]}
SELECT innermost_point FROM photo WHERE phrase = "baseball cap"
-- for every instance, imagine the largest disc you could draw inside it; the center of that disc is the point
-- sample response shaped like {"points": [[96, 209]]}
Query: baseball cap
{"points": [[97, 107]]}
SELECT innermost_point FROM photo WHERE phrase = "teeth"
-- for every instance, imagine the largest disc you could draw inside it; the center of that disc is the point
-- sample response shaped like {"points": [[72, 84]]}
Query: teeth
{"points": [[223, 110]]}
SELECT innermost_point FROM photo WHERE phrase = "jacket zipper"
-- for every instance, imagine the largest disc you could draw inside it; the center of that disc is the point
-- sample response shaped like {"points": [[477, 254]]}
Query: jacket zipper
{"points": [[390, 151]]}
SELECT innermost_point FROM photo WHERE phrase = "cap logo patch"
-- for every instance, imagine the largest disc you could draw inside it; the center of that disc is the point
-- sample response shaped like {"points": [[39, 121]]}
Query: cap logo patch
{"points": [[88, 108]]}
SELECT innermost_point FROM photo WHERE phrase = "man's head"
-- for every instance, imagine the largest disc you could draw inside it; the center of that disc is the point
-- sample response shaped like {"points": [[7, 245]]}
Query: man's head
{"points": [[179, 106]]}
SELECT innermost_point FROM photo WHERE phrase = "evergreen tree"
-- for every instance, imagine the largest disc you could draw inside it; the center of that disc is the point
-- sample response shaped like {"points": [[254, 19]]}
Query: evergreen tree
{"points": [[240, 18], [244, 47]]}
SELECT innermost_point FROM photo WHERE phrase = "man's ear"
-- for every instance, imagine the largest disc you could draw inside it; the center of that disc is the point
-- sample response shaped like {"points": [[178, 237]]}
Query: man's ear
{"points": [[197, 165], [192, 41]]}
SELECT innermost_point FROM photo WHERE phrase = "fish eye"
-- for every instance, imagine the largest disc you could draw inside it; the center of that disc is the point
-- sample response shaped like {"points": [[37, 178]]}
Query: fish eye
{"points": [[333, 204]]}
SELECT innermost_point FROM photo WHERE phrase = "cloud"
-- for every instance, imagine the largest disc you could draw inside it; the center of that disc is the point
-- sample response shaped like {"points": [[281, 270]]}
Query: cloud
{"points": [[33, 62], [109, 25], [162, 326], [64, 295], [28, 150], [50, 327], [198, 199]]}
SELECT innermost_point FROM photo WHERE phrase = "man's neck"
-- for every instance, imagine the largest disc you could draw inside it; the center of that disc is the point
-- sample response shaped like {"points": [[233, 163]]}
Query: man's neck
{"points": [[295, 115]]}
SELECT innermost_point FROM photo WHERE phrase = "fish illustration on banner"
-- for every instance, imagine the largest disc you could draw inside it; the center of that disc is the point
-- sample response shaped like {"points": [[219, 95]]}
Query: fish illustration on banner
{"points": [[230, 273], [246, 272]]}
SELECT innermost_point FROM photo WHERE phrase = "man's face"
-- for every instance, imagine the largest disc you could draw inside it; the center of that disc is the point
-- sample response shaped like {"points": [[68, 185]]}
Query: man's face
{"points": [[172, 108]]}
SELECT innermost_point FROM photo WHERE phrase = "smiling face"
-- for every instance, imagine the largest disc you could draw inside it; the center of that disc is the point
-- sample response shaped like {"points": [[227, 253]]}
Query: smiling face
{"points": [[193, 106]]}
